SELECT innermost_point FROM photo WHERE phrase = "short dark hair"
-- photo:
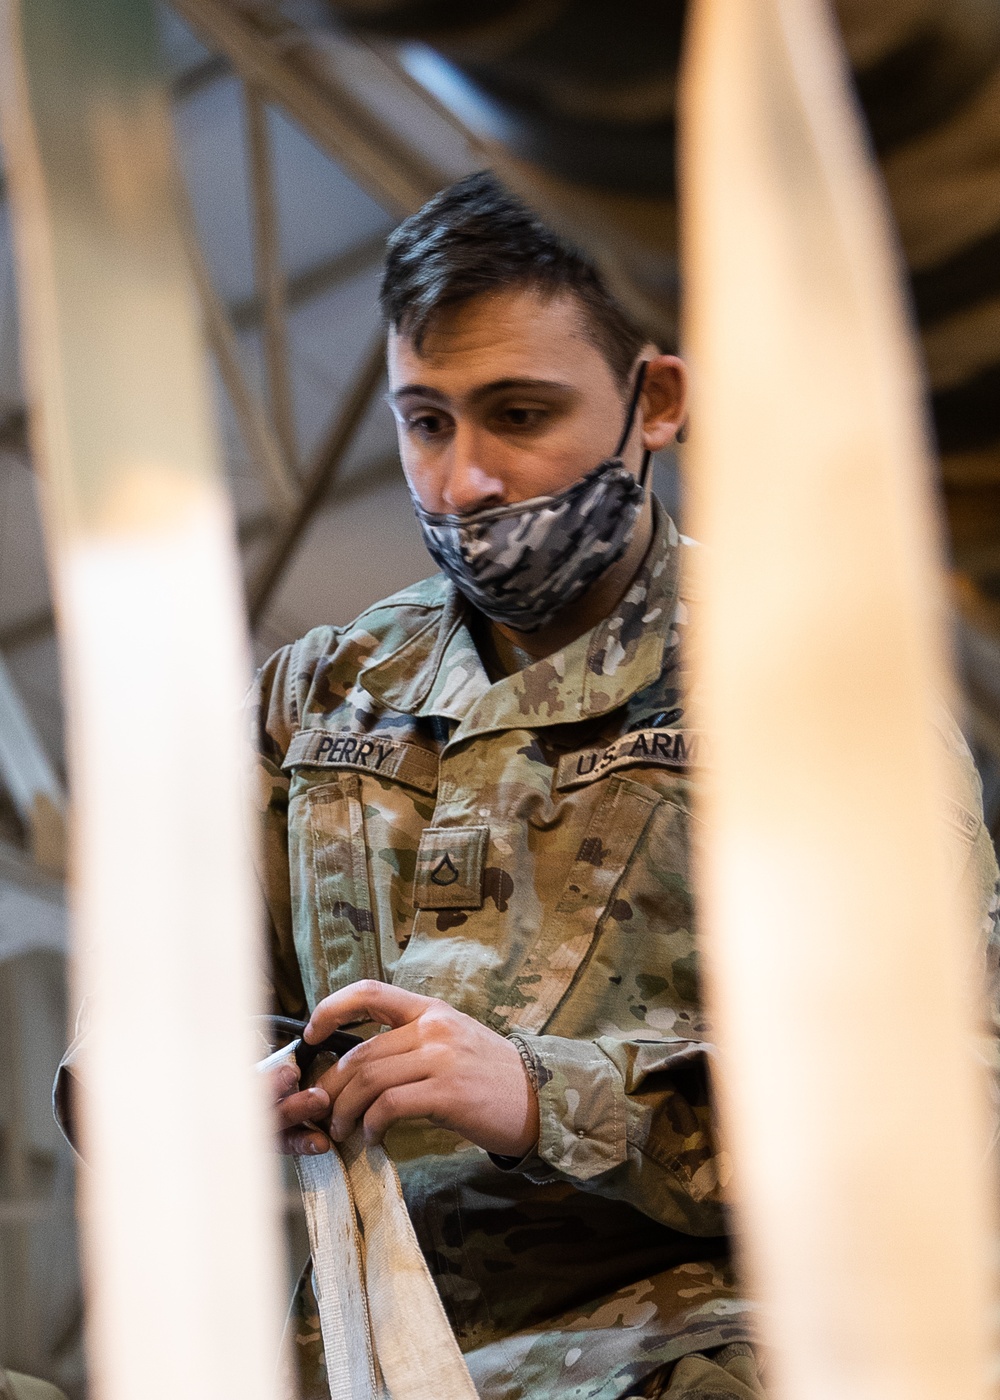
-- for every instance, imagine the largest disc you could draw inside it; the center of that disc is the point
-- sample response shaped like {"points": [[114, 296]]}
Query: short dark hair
{"points": [[476, 237]]}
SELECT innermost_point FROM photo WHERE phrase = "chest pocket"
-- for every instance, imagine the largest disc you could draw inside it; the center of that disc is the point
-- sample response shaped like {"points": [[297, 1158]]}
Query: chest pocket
{"points": [[605, 852], [334, 818], [334, 922]]}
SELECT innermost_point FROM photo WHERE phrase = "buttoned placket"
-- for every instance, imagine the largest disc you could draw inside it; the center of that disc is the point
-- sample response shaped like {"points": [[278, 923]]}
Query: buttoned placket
{"points": [[440, 674]]}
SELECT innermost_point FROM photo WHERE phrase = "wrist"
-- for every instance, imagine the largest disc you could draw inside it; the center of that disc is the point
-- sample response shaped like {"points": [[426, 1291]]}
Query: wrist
{"points": [[527, 1140]]}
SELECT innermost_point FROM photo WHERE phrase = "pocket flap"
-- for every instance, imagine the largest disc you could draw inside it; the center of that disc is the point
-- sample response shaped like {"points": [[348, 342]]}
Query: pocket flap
{"points": [[604, 854]]}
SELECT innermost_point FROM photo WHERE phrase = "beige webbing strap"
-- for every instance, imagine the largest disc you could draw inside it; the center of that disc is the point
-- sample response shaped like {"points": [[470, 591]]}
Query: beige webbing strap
{"points": [[414, 1343], [385, 1333], [339, 1277]]}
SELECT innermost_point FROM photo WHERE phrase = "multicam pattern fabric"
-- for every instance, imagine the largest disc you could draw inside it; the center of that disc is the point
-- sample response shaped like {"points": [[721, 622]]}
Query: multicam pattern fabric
{"points": [[520, 564], [725, 1373], [383, 746]]}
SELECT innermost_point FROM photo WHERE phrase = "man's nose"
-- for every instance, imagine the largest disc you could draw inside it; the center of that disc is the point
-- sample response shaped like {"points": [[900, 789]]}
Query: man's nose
{"points": [[473, 482]]}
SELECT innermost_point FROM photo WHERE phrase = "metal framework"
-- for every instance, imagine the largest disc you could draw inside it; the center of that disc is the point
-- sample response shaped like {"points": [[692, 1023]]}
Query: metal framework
{"points": [[319, 476], [29, 777], [270, 276], [277, 66], [275, 54]]}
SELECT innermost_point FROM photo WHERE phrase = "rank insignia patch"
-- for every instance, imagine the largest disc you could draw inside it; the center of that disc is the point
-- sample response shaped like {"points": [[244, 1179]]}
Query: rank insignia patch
{"points": [[450, 867]]}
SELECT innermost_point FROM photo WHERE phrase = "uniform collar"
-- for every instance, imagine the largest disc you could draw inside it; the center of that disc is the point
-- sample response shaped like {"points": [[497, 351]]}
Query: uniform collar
{"points": [[438, 671]]}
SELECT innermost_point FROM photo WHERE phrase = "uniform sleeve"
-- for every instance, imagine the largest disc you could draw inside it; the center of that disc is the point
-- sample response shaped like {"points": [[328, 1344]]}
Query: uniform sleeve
{"points": [[271, 711], [633, 1119]]}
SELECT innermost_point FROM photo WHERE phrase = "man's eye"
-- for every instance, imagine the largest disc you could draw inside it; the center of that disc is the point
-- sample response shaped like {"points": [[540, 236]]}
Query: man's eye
{"points": [[517, 417], [427, 424]]}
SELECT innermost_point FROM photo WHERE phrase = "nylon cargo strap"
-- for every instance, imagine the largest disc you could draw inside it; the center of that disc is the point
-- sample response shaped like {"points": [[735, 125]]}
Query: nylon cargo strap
{"points": [[385, 1333]]}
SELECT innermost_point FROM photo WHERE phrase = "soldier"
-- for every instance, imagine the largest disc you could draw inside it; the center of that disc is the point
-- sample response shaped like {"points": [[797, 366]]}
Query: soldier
{"points": [[475, 812]]}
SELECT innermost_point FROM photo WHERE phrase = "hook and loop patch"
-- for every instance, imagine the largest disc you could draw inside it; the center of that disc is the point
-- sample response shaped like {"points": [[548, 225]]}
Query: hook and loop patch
{"points": [[450, 867]]}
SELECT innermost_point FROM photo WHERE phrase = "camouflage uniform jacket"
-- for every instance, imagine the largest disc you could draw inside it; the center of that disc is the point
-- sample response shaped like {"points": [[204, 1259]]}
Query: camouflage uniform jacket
{"points": [[520, 849]]}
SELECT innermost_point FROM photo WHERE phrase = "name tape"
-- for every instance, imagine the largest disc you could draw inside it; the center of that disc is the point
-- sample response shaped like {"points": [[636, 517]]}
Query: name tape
{"points": [[380, 754], [660, 748]]}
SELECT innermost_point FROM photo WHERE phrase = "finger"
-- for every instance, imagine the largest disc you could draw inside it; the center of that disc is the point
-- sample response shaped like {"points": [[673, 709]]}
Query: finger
{"points": [[372, 1080], [420, 1099], [303, 1142], [282, 1080], [379, 1047], [303, 1106], [364, 1001]]}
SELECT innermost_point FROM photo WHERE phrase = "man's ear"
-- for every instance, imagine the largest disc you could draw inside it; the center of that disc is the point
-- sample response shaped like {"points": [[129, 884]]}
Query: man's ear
{"points": [[664, 401]]}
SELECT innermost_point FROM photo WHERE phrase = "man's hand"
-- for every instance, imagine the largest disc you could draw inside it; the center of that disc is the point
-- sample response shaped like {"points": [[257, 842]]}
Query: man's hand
{"points": [[297, 1111], [433, 1063]]}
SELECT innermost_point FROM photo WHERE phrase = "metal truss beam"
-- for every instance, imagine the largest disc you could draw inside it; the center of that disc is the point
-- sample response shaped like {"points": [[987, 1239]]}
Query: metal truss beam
{"points": [[257, 433], [311, 282], [30, 778], [271, 52], [326, 462], [268, 272]]}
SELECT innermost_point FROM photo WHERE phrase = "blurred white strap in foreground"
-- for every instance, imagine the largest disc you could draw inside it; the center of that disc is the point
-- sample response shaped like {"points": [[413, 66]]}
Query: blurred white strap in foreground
{"points": [[840, 959], [180, 1225]]}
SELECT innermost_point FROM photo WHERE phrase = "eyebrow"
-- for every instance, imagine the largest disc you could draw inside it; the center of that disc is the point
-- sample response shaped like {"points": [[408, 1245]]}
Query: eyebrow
{"points": [[483, 391]]}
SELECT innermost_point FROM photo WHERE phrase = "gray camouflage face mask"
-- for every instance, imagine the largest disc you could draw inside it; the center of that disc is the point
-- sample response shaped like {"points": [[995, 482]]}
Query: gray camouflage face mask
{"points": [[522, 564]]}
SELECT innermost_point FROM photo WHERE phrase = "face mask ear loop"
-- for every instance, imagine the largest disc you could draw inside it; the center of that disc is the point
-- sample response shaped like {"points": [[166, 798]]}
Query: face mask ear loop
{"points": [[647, 457], [640, 378]]}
